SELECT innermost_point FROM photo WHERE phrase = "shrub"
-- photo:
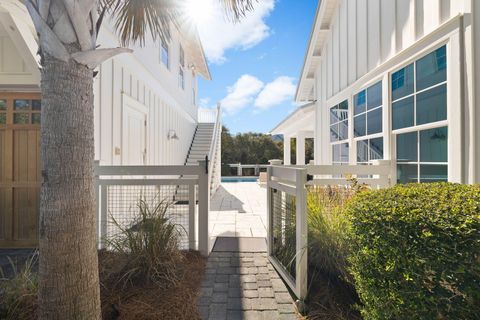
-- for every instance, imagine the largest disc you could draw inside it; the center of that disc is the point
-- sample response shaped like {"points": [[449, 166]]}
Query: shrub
{"points": [[18, 295], [148, 249], [327, 224], [415, 251]]}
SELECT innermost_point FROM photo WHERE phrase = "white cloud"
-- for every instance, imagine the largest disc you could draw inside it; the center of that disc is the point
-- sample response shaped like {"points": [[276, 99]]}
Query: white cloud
{"points": [[204, 102], [218, 34], [241, 94], [276, 92]]}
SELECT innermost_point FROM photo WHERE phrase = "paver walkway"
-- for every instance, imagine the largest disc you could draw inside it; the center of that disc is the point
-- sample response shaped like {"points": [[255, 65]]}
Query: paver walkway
{"points": [[243, 286], [241, 283]]}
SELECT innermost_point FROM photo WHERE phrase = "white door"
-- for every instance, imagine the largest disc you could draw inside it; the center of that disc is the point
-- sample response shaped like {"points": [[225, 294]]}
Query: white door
{"points": [[134, 133]]}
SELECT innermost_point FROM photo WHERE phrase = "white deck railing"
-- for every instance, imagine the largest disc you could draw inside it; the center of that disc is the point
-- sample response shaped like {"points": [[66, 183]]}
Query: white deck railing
{"points": [[207, 115], [287, 211], [119, 189]]}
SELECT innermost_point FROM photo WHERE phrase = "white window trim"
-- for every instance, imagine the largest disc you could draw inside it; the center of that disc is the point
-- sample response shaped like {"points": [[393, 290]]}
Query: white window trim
{"points": [[449, 33]]}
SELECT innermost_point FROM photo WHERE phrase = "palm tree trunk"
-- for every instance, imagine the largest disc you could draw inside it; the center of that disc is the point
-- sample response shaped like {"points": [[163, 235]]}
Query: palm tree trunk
{"points": [[68, 268]]}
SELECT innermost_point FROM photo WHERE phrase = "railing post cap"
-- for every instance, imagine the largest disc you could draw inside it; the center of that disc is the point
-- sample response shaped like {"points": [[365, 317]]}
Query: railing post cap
{"points": [[275, 162]]}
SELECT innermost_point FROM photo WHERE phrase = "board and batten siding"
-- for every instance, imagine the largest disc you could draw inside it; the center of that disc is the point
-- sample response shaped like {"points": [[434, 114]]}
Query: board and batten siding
{"points": [[366, 33], [142, 77], [367, 39], [115, 79]]}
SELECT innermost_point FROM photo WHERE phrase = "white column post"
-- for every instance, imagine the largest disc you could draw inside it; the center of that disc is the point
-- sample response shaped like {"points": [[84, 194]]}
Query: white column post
{"points": [[301, 148], [203, 208], [286, 150], [239, 170]]}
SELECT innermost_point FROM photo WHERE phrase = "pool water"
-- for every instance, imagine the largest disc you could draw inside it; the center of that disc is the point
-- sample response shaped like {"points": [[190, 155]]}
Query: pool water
{"points": [[238, 179]]}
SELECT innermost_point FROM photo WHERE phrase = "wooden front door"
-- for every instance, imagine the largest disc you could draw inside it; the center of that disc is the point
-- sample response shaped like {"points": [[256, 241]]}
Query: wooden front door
{"points": [[20, 175]]}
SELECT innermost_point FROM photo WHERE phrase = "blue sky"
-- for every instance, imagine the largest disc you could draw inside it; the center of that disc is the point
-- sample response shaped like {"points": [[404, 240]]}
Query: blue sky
{"points": [[255, 65]]}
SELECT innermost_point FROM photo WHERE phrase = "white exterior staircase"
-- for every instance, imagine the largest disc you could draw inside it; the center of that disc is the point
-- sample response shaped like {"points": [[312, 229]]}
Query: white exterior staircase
{"points": [[206, 143], [201, 143]]}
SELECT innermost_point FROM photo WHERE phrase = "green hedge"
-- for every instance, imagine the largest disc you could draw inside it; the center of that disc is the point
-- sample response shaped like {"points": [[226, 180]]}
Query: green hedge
{"points": [[415, 251]]}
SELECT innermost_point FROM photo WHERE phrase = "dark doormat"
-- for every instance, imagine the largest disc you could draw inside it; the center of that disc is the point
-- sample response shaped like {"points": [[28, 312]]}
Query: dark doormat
{"points": [[231, 244]]}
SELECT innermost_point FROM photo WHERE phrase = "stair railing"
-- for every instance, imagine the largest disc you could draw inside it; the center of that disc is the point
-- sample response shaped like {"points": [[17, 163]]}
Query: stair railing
{"points": [[214, 155]]}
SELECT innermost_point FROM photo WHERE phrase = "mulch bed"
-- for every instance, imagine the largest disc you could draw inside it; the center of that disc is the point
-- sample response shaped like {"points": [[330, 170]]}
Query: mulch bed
{"points": [[148, 301], [332, 299]]}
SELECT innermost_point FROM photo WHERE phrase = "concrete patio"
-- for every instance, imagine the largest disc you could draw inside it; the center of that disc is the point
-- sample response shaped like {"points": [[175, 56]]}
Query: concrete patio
{"points": [[239, 210]]}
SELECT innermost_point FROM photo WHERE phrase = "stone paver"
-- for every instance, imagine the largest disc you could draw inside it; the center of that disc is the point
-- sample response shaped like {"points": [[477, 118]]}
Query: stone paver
{"points": [[229, 293], [238, 210]]}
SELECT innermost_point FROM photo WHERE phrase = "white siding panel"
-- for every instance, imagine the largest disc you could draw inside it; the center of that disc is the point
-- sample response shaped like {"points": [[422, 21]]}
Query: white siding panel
{"points": [[387, 28], [106, 113], [405, 23], [330, 67], [432, 15], [352, 40], [419, 18], [373, 50], [336, 55], [119, 74], [362, 38], [343, 45], [444, 10]]}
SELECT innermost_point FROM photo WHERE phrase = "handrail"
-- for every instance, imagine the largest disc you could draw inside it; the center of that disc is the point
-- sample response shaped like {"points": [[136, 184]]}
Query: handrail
{"points": [[213, 143]]}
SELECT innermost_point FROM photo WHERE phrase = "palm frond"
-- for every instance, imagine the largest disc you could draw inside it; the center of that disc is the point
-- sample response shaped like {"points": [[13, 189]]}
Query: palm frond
{"points": [[236, 10], [135, 19]]}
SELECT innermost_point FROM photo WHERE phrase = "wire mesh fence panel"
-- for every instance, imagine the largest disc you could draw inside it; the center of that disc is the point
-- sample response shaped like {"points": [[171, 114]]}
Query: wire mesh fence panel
{"points": [[128, 206], [283, 215]]}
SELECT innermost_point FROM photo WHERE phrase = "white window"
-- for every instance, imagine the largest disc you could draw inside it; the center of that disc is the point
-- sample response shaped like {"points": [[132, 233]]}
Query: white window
{"points": [[367, 123], [164, 54], [419, 97], [339, 133]]}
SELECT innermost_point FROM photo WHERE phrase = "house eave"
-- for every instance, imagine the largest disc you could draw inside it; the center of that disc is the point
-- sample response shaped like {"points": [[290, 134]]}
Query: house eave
{"points": [[318, 35]]}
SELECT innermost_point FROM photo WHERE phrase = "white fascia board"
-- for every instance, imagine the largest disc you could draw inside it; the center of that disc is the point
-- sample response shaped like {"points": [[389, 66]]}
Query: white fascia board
{"points": [[302, 119], [316, 30]]}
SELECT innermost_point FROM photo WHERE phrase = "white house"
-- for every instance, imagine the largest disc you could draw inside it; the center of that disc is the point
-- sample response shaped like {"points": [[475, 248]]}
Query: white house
{"points": [[396, 80], [146, 111]]}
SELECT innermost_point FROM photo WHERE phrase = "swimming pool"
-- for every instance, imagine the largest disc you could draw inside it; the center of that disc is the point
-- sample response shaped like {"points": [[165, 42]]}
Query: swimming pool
{"points": [[238, 179]]}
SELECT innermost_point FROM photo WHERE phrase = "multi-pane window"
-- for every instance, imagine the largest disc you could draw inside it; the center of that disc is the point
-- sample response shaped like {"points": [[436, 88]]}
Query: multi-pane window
{"points": [[419, 95], [419, 91], [369, 149], [164, 54], [367, 110], [3, 111], [422, 156], [340, 153], [339, 132], [26, 111], [339, 122]]}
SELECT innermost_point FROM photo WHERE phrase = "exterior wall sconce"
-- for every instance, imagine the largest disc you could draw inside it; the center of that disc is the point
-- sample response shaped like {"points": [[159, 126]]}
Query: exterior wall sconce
{"points": [[172, 135]]}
